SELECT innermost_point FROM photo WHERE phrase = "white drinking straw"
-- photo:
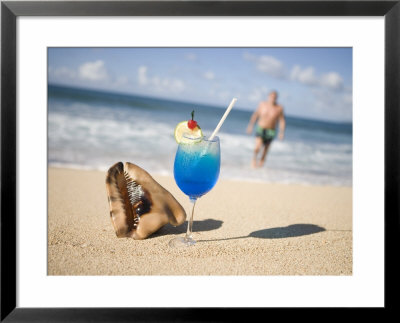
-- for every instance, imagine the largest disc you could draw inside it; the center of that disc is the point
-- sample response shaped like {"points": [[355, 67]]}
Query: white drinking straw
{"points": [[223, 118]]}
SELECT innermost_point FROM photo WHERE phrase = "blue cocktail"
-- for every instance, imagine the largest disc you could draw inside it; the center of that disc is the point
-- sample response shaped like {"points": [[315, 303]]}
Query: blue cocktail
{"points": [[196, 171]]}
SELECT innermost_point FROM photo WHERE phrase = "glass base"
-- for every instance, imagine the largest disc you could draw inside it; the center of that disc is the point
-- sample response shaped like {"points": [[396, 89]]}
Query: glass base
{"points": [[182, 242]]}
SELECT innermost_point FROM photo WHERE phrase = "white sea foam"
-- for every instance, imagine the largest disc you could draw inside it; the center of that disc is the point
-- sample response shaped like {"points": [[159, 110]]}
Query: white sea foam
{"points": [[88, 136]]}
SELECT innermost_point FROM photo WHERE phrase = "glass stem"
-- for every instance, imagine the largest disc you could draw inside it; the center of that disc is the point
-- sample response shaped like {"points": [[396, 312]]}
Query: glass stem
{"points": [[190, 222]]}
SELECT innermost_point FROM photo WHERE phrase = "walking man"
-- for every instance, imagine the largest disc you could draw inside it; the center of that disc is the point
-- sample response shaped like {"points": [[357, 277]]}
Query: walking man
{"points": [[268, 113]]}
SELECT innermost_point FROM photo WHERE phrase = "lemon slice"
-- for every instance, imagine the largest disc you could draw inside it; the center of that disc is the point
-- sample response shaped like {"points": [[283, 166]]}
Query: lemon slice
{"points": [[182, 129]]}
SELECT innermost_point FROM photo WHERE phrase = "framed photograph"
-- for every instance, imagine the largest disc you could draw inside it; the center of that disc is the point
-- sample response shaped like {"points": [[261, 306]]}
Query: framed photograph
{"points": [[177, 154]]}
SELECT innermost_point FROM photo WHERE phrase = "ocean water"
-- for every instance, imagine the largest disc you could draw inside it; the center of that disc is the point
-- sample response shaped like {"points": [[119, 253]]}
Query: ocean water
{"points": [[93, 130]]}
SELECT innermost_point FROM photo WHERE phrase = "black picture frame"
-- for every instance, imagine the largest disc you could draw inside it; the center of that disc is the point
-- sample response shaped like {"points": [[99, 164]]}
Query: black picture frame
{"points": [[11, 10]]}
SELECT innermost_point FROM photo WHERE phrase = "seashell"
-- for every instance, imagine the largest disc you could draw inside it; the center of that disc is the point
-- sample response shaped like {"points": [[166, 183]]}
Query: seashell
{"points": [[139, 205]]}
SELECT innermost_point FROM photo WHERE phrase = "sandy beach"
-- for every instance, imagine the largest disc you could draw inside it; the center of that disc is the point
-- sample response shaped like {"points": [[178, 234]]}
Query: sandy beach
{"points": [[242, 228]]}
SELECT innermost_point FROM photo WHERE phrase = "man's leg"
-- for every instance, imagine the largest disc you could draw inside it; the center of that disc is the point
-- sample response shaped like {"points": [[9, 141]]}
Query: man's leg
{"points": [[264, 154], [256, 150]]}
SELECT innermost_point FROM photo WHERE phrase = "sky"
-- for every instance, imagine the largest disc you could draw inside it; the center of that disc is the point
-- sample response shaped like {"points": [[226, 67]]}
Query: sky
{"points": [[312, 83]]}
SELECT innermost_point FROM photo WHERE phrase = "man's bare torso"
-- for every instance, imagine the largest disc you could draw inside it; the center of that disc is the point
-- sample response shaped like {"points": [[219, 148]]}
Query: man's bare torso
{"points": [[268, 114]]}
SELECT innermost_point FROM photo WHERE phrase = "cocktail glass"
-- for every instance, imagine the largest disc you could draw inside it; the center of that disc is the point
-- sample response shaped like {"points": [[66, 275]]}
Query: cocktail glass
{"points": [[196, 171]]}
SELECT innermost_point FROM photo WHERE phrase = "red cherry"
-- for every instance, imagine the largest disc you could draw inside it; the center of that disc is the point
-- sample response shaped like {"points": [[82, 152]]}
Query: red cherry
{"points": [[192, 124]]}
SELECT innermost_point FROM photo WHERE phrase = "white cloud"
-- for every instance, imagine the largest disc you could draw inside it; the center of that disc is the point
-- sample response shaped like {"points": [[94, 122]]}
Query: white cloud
{"points": [[332, 80], [303, 75], [62, 72], [142, 75], [158, 83], [307, 76], [258, 94], [93, 71], [270, 65], [209, 75], [177, 86], [267, 64], [191, 57]]}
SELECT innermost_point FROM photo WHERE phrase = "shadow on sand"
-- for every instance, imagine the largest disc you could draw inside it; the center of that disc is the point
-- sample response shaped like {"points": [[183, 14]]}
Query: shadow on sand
{"points": [[294, 230], [198, 226]]}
